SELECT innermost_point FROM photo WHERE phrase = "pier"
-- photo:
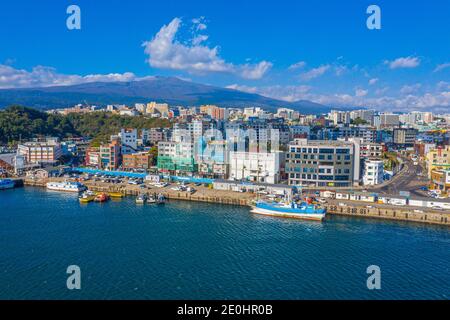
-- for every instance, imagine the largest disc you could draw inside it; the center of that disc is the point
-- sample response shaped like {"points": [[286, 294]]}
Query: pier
{"points": [[205, 194]]}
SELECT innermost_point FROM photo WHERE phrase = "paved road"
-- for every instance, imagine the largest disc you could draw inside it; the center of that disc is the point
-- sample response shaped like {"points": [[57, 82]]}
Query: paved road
{"points": [[411, 180]]}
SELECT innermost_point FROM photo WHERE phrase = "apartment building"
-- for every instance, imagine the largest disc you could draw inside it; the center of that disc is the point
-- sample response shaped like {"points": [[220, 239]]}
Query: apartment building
{"points": [[128, 139]]}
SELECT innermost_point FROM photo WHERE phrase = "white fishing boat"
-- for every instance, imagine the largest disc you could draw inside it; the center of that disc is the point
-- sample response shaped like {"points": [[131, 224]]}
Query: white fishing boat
{"points": [[66, 186]]}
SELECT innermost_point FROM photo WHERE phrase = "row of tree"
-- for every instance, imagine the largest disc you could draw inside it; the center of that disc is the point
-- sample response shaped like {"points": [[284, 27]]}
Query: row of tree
{"points": [[21, 123]]}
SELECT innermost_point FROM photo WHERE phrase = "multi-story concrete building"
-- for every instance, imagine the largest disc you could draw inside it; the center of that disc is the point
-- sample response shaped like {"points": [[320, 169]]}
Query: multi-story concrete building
{"points": [[110, 155], [255, 166], [438, 158], [176, 157], [214, 112], [47, 151], [405, 137], [440, 179], [323, 163], [389, 120], [371, 150], [92, 158], [373, 172], [154, 135], [155, 109], [128, 139], [139, 160]]}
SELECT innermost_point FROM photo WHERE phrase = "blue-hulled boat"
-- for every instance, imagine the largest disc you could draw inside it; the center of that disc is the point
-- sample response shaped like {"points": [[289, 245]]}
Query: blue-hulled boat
{"points": [[6, 184], [290, 210]]}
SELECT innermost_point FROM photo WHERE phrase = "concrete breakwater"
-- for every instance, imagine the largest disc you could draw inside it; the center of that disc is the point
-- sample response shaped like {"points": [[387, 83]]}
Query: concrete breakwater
{"points": [[204, 194], [359, 210]]}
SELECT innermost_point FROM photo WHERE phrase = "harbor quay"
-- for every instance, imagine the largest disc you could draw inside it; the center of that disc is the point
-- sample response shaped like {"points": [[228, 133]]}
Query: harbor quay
{"points": [[208, 194]]}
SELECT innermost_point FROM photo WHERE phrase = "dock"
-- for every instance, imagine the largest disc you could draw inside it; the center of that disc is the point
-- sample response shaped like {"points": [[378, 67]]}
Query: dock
{"points": [[204, 194]]}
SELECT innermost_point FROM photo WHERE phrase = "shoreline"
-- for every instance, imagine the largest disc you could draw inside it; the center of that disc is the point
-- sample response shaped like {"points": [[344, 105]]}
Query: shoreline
{"points": [[352, 208]]}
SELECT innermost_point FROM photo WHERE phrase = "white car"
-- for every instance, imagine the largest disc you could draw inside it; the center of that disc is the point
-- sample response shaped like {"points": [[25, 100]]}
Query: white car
{"points": [[342, 204]]}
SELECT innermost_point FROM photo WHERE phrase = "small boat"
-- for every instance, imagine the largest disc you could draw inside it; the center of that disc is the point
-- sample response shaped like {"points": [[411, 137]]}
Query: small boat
{"points": [[6, 184], [116, 194], [160, 199], [87, 197], [141, 199], [102, 197], [66, 186], [151, 199], [290, 210]]}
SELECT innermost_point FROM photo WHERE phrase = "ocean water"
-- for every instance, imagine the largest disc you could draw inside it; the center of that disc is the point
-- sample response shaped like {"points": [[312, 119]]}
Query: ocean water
{"points": [[188, 250]]}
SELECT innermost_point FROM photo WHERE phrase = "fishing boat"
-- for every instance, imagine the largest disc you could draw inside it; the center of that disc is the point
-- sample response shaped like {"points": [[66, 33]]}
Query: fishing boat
{"points": [[151, 199], [290, 210], [102, 197], [141, 199], [116, 194], [66, 186], [160, 199], [87, 197], [6, 184]]}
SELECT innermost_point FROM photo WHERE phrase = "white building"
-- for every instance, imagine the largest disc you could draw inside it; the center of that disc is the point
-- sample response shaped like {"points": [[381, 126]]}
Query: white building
{"points": [[339, 116], [48, 151], [128, 138], [373, 172], [255, 166]]}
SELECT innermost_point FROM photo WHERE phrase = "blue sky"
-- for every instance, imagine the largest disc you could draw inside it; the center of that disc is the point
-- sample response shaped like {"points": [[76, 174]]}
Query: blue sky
{"points": [[291, 50]]}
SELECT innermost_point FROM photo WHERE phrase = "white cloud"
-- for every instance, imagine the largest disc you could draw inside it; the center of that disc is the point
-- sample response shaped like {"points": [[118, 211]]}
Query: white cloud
{"points": [[41, 76], [199, 23], [381, 91], [165, 52], [436, 101], [404, 62], [297, 65], [373, 81], [408, 89], [441, 67], [361, 92], [285, 93], [315, 72]]}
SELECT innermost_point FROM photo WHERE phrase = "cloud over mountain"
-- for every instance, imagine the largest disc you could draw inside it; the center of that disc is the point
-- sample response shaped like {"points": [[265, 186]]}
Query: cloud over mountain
{"points": [[166, 52]]}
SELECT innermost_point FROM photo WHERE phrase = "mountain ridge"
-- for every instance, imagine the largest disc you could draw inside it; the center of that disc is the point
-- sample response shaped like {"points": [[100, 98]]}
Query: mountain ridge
{"points": [[172, 90]]}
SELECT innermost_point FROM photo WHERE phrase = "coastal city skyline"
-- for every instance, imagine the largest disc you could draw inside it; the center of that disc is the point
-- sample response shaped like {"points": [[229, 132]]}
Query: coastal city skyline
{"points": [[308, 58], [233, 152]]}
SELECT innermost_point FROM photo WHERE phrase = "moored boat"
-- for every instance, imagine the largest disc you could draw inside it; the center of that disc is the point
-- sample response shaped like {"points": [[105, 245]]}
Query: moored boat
{"points": [[290, 210], [66, 186], [6, 184], [151, 199], [141, 199], [116, 194], [87, 197], [160, 199], [102, 197]]}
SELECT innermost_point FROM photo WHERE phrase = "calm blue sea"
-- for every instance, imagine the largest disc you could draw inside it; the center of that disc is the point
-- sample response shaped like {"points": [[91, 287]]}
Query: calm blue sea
{"points": [[188, 250]]}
